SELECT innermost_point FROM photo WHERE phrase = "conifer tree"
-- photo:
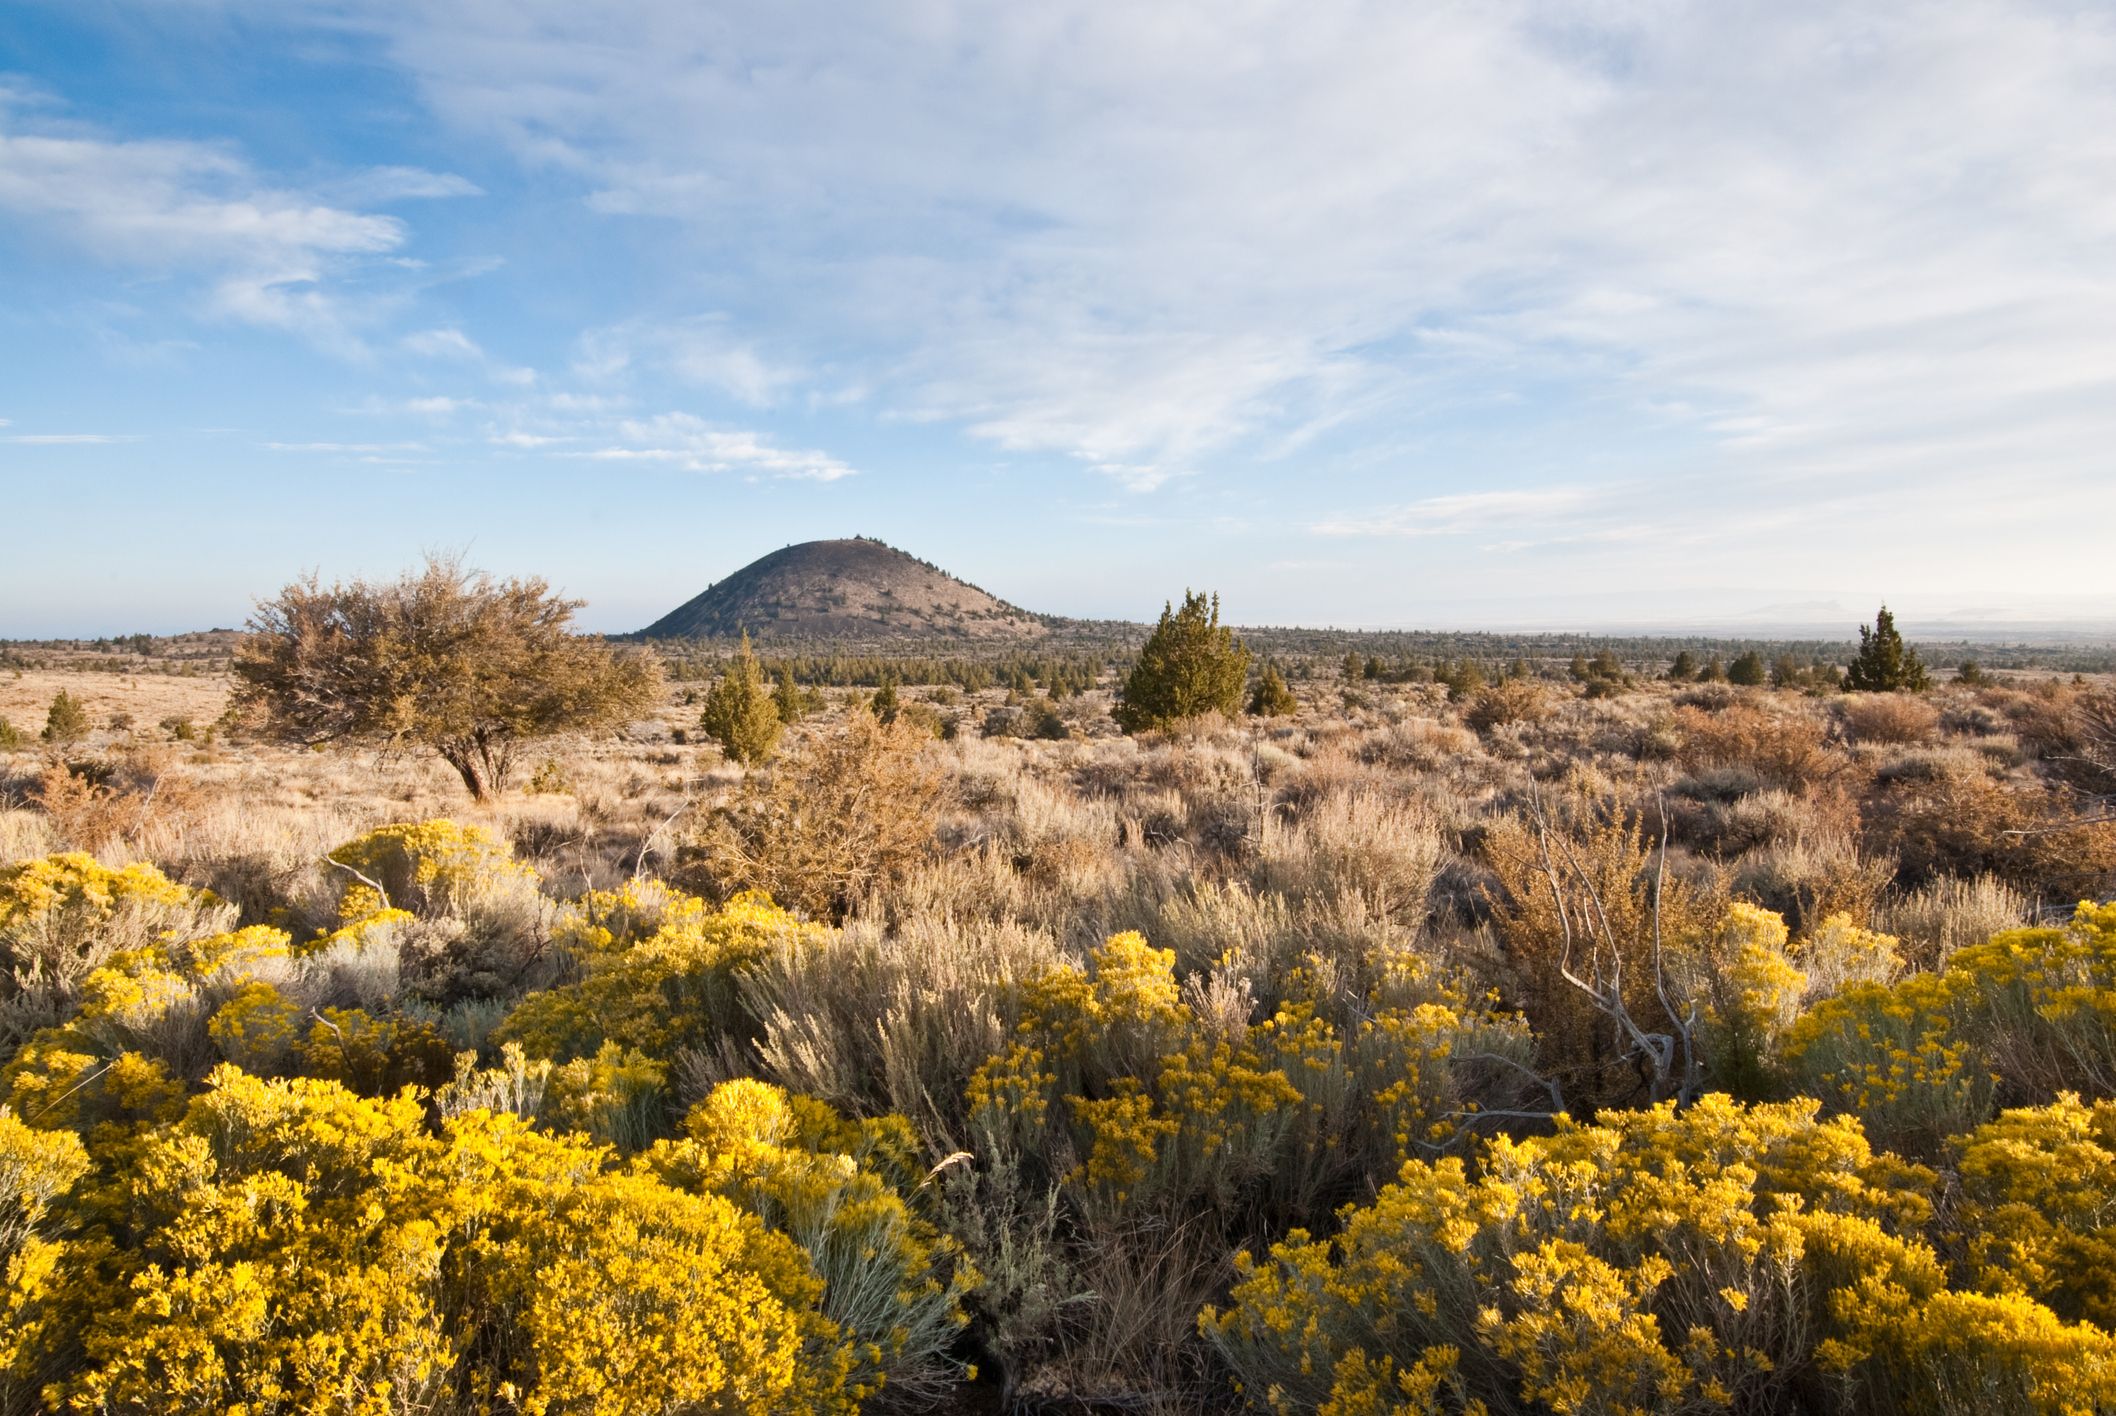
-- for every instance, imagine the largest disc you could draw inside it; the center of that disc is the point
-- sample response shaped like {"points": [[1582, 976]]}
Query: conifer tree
{"points": [[739, 712], [885, 704], [1191, 664], [1272, 698], [1747, 670], [1684, 668], [66, 722], [1885, 664], [786, 697]]}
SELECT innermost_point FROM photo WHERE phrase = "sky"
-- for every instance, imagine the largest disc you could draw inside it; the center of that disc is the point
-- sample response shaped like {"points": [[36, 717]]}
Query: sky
{"points": [[1588, 312]]}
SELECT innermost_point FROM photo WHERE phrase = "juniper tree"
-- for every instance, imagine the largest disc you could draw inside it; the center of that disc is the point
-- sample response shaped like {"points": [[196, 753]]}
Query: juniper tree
{"points": [[1191, 664], [1271, 698], [740, 713], [1748, 670], [1885, 664], [442, 658], [786, 697], [66, 721]]}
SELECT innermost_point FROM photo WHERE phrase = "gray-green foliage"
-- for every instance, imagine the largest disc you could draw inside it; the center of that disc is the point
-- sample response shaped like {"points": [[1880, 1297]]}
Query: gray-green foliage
{"points": [[740, 713], [1190, 665]]}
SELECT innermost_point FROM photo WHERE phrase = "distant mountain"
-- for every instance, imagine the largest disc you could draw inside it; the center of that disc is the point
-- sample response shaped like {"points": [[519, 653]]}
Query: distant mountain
{"points": [[853, 589]]}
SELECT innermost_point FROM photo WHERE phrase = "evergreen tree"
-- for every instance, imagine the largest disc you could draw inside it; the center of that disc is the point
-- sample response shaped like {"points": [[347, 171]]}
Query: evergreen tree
{"points": [[1271, 698], [1355, 667], [66, 722], [1191, 664], [10, 739], [1684, 668], [1747, 670], [1885, 664], [739, 712], [885, 705], [786, 697]]}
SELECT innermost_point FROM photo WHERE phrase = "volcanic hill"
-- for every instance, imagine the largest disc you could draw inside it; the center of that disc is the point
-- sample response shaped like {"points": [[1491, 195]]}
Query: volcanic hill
{"points": [[852, 589]]}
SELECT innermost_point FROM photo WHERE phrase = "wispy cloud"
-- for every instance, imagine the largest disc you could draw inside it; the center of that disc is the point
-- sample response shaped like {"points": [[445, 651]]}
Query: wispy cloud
{"points": [[704, 352], [1157, 236], [1464, 513], [62, 439], [685, 441], [268, 254], [347, 448]]}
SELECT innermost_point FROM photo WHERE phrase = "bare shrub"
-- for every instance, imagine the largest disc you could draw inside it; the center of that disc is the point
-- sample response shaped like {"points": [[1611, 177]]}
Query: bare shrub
{"points": [[1418, 745], [843, 817], [1509, 701], [1785, 748], [115, 800], [1585, 913], [1889, 718]]}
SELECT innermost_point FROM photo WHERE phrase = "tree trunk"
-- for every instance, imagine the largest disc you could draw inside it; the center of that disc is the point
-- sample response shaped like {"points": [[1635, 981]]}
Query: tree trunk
{"points": [[470, 768]]}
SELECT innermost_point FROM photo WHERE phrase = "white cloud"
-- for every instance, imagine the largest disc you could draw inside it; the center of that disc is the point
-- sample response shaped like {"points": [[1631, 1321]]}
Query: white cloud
{"points": [[686, 441], [703, 352], [268, 255], [444, 344], [347, 448], [1148, 235], [1461, 513], [379, 185]]}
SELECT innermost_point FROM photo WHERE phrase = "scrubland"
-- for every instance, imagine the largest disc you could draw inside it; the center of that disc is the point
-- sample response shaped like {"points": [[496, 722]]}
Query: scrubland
{"points": [[1679, 1048]]}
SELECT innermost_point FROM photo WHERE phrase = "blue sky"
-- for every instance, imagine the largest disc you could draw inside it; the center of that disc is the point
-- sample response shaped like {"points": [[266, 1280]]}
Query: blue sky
{"points": [[1566, 313]]}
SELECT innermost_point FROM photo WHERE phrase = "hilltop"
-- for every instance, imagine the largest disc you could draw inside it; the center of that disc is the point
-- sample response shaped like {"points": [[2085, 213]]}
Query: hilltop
{"points": [[846, 589]]}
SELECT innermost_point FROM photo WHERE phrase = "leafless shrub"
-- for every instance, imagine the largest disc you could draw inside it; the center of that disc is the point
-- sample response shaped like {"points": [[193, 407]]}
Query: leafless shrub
{"points": [[843, 817], [1889, 718]]}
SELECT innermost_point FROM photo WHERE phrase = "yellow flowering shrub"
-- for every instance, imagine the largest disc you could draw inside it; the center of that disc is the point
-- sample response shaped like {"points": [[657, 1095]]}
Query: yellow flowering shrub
{"points": [[839, 1189], [1751, 992], [285, 1259], [290, 1247], [605, 922], [2043, 1004], [2027, 1014], [257, 1028], [64, 916], [430, 868], [618, 1097], [373, 1056], [36, 1169], [2038, 1211], [600, 1293], [1659, 1261], [1893, 1056], [673, 989]]}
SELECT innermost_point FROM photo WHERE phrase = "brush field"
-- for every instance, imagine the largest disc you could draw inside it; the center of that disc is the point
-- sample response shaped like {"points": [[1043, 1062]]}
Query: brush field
{"points": [[1539, 1046]]}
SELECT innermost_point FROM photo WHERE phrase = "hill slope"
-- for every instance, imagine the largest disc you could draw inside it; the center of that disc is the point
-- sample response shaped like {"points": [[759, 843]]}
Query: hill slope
{"points": [[852, 589]]}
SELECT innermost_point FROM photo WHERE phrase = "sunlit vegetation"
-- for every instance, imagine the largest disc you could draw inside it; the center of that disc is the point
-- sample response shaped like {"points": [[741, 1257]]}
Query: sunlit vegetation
{"points": [[1505, 1038]]}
